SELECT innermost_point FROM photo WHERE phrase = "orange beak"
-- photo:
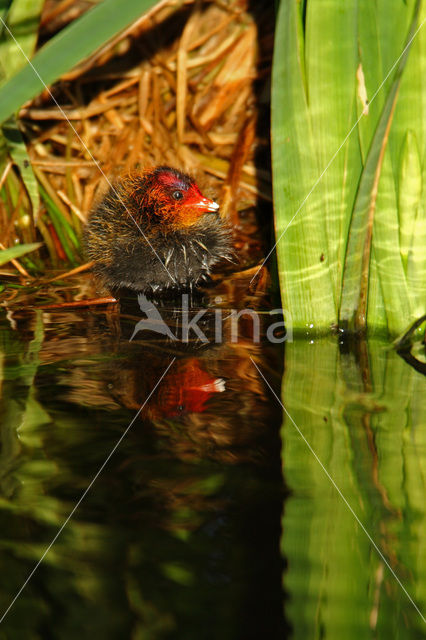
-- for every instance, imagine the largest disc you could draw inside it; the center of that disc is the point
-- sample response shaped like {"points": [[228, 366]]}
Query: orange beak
{"points": [[206, 205]]}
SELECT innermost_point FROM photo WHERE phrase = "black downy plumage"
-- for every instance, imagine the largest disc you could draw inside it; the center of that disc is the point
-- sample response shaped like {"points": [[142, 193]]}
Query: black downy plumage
{"points": [[155, 232]]}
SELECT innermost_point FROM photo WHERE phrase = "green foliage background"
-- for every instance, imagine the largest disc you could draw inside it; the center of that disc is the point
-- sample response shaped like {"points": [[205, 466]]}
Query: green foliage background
{"points": [[348, 147]]}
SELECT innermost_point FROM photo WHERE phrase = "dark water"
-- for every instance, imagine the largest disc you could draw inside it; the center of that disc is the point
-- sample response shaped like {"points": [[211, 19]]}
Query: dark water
{"points": [[213, 517]]}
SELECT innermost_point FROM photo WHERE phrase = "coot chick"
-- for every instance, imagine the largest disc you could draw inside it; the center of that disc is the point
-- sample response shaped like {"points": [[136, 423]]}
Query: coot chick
{"points": [[155, 232]]}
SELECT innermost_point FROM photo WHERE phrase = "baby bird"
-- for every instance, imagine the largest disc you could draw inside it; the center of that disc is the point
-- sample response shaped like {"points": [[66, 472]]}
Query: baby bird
{"points": [[155, 232]]}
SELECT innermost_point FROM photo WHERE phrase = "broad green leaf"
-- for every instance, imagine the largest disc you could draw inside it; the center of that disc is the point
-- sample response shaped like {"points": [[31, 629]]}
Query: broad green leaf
{"points": [[353, 307], [410, 190], [331, 104], [6, 255], [416, 263], [23, 20], [69, 47], [376, 303], [405, 18], [398, 302], [302, 246], [410, 121]]}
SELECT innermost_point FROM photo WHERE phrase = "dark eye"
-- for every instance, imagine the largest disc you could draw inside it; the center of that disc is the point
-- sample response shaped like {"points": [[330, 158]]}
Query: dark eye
{"points": [[177, 195]]}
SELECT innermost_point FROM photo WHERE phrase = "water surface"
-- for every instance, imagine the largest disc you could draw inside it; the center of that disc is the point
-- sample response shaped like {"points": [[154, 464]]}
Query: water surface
{"points": [[215, 516]]}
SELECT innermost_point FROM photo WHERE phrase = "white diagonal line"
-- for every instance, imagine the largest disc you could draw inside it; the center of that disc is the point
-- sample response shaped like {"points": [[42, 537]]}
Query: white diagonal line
{"points": [[335, 154], [85, 492], [85, 146], [341, 494]]}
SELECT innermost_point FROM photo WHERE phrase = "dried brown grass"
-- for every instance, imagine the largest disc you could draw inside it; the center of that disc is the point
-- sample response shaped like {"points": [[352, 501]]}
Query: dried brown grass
{"points": [[185, 87]]}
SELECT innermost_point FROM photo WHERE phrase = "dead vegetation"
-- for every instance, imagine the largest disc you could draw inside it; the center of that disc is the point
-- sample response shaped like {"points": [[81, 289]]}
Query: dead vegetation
{"points": [[187, 85]]}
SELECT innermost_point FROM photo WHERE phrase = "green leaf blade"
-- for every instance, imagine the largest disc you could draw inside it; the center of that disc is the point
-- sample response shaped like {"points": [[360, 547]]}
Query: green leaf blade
{"points": [[69, 47], [6, 255], [295, 171]]}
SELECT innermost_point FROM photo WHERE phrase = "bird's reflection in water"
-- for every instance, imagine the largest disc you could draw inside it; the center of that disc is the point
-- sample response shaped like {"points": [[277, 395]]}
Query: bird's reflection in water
{"points": [[212, 401]]}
